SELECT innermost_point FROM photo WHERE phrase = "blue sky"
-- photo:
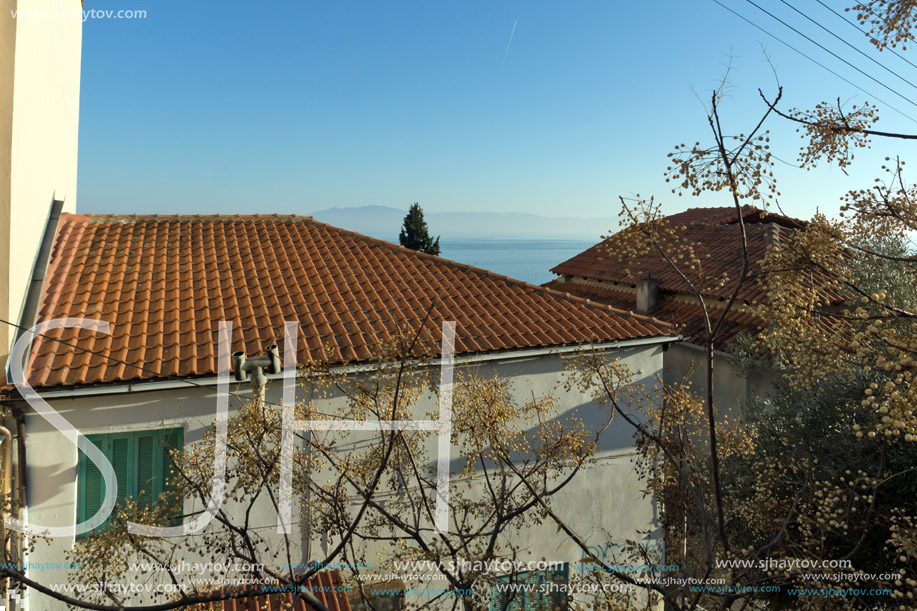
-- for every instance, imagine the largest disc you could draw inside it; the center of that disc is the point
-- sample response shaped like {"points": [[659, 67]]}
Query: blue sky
{"points": [[291, 107]]}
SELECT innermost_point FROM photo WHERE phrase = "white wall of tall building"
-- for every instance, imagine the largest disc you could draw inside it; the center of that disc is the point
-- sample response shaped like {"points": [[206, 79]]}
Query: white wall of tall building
{"points": [[39, 128]]}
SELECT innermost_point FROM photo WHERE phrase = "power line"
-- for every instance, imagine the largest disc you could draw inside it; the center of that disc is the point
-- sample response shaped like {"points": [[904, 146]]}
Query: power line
{"points": [[814, 61], [108, 357], [884, 67], [823, 48], [865, 33], [104, 356], [133, 365]]}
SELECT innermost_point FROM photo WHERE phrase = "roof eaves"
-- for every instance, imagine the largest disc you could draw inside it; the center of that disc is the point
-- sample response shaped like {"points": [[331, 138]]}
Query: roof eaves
{"points": [[206, 381]]}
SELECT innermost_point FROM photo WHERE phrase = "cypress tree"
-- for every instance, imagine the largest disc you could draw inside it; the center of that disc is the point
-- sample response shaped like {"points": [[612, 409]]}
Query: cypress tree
{"points": [[415, 234]]}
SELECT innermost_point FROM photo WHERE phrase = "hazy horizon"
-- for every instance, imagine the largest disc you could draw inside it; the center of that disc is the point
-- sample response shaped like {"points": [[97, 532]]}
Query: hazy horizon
{"points": [[336, 104], [384, 222]]}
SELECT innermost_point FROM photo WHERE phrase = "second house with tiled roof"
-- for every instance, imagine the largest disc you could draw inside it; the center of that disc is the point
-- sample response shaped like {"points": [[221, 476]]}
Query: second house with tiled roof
{"points": [[611, 274]]}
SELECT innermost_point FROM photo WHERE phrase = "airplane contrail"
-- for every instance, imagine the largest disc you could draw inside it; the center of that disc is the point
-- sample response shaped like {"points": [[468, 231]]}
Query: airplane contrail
{"points": [[505, 55]]}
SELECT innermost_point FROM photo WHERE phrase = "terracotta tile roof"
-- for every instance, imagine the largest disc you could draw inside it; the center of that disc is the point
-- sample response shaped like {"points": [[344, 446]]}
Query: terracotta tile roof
{"points": [[689, 319], [713, 233], [716, 246], [321, 585], [686, 317], [164, 283], [726, 215]]}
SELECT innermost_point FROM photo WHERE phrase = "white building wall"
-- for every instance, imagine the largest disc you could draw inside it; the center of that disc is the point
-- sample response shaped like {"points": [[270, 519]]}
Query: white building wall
{"points": [[43, 77], [731, 387], [604, 504]]}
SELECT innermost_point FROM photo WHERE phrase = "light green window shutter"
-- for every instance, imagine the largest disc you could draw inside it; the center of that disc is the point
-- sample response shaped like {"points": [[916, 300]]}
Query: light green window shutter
{"points": [[121, 462], [555, 598], [499, 598], [147, 447], [141, 464], [535, 599], [91, 487], [172, 439], [505, 600], [91, 484]]}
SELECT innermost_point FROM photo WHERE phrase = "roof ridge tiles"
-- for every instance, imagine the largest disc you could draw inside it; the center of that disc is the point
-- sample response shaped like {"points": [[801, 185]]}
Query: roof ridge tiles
{"points": [[93, 217]]}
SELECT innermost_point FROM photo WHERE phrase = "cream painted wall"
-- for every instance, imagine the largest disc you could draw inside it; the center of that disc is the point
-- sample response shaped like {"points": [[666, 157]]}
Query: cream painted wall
{"points": [[38, 133], [605, 504], [7, 73]]}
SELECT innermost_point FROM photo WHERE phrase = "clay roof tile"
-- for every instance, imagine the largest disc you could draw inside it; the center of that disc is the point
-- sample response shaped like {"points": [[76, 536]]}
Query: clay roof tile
{"points": [[164, 282]]}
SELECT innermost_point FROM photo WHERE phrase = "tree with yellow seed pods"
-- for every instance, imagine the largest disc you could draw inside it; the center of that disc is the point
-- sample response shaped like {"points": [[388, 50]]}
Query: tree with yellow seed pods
{"points": [[821, 472], [371, 495]]}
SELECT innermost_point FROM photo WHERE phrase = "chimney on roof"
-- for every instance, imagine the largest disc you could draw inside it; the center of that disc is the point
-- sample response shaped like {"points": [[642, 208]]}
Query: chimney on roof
{"points": [[773, 235], [649, 295]]}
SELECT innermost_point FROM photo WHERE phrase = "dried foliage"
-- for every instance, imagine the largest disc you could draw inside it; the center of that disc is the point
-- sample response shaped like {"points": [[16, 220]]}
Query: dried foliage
{"points": [[864, 261], [887, 210], [364, 492], [831, 134], [741, 165], [891, 22], [817, 473]]}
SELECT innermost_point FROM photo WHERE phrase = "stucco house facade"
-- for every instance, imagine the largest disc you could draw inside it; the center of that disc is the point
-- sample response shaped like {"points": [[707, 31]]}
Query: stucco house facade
{"points": [[148, 381]]}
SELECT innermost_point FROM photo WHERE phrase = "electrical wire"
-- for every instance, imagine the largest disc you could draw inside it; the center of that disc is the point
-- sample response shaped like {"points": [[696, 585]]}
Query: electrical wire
{"points": [[865, 33], [104, 356], [112, 359], [135, 366], [873, 60], [815, 61], [823, 48]]}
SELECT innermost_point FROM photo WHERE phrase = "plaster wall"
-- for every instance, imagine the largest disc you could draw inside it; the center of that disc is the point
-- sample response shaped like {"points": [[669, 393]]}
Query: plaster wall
{"points": [[604, 503], [731, 388], [39, 125]]}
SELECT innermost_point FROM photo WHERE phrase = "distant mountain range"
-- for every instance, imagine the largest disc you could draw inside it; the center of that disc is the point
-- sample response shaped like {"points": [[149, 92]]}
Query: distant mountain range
{"points": [[384, 223]]}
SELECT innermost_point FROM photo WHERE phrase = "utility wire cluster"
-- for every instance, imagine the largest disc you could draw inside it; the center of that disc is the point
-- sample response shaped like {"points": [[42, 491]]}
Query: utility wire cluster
{"points": [[900, 85]]}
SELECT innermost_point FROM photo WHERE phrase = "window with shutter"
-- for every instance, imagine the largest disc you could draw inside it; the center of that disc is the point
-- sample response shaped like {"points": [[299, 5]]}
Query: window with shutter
{"points": [[121, 462], [530, 591], [142, 467], [91, 485], [172, 439], [147, 448]]}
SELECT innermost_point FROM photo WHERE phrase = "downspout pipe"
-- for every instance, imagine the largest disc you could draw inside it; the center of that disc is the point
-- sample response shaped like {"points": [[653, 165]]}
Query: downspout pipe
{"points": [[7, 504], [7, 469], [21, 490], [27, 318]]}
